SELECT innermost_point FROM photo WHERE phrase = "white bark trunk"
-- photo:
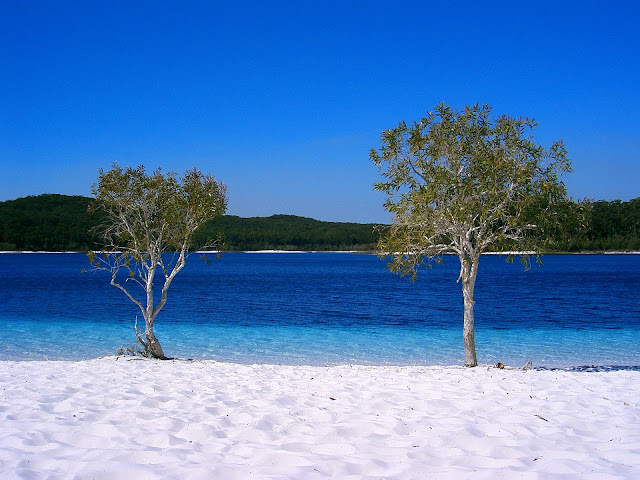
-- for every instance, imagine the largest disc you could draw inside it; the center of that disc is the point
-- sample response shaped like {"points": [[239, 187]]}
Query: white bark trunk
{"points": [[469, 270], [150, 313], [153, 344]]}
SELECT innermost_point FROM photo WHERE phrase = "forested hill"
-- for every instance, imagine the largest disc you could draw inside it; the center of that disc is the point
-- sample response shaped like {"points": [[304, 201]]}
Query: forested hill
{"points": [[613, 226], [61, 223], [286, 232], [47, 222]]}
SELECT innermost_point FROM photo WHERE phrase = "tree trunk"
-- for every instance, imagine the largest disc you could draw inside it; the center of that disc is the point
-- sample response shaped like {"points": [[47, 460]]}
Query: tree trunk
{"points": [[469, 270], [153, 344]]}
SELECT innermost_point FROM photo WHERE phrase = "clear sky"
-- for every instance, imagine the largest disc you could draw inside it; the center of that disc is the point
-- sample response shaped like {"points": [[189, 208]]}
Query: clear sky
{"points": [[282, 101]]}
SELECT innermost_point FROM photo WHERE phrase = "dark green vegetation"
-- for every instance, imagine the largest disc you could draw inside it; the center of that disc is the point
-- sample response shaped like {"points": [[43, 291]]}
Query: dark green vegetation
{"points": [[613, 226], [287, 232], [61, 223], [48, 222]]}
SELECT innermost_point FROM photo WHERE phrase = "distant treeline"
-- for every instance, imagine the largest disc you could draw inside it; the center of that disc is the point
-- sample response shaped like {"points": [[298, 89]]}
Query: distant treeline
{"points": [[286, 232], [61, 223], [611, 226], [47, 222]]}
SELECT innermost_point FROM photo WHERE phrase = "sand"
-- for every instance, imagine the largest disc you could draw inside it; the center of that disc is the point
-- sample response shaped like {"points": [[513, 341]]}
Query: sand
{"points": [[119, 418]]}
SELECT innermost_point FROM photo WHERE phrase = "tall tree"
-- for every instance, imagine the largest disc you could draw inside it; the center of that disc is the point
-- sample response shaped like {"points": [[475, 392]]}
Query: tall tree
{"points": [[463, 183], [150, 221]]}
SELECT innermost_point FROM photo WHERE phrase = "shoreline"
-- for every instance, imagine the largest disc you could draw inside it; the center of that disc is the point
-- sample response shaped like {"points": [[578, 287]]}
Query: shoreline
{"points": [[120, 417], [578, 368]]}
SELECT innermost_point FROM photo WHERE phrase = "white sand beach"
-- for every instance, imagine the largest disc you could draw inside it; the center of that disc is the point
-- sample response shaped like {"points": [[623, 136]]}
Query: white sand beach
{"points": [[119, 418]]}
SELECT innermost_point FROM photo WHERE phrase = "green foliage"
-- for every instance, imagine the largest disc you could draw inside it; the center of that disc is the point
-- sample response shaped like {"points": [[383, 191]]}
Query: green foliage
{"points": [[65, 225], [613, 226], [156, 212], [287, 232], [463, 183], [48, 222]]}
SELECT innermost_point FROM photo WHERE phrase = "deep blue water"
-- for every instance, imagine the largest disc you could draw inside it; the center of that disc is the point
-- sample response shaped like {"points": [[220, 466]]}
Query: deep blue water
{"points": [[327, 308]]}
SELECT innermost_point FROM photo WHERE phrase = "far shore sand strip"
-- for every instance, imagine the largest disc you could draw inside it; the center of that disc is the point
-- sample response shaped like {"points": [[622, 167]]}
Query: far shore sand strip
{"points": [[120, 418]]}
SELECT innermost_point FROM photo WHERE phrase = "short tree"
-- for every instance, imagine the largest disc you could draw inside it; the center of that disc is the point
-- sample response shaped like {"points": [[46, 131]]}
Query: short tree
{"points": [[462, 183], [150, 220]]}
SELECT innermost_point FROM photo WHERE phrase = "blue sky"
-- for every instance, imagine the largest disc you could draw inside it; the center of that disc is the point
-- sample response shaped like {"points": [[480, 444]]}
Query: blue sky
{"points": [[282, 101]]}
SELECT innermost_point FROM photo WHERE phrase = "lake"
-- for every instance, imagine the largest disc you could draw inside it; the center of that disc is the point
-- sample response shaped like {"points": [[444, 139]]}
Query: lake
{"points": [[331, 308]]}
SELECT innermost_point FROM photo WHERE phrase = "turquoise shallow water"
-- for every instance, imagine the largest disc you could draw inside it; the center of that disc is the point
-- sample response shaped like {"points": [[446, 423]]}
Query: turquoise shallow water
{"points": [[321, 308]]}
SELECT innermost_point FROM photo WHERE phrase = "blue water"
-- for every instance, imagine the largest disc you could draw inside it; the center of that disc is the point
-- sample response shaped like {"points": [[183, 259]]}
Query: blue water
{"points": [[332, 308]]}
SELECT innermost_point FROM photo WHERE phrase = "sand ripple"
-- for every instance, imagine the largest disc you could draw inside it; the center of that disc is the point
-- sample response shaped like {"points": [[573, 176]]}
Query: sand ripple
{"points": [[121, 418]]}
